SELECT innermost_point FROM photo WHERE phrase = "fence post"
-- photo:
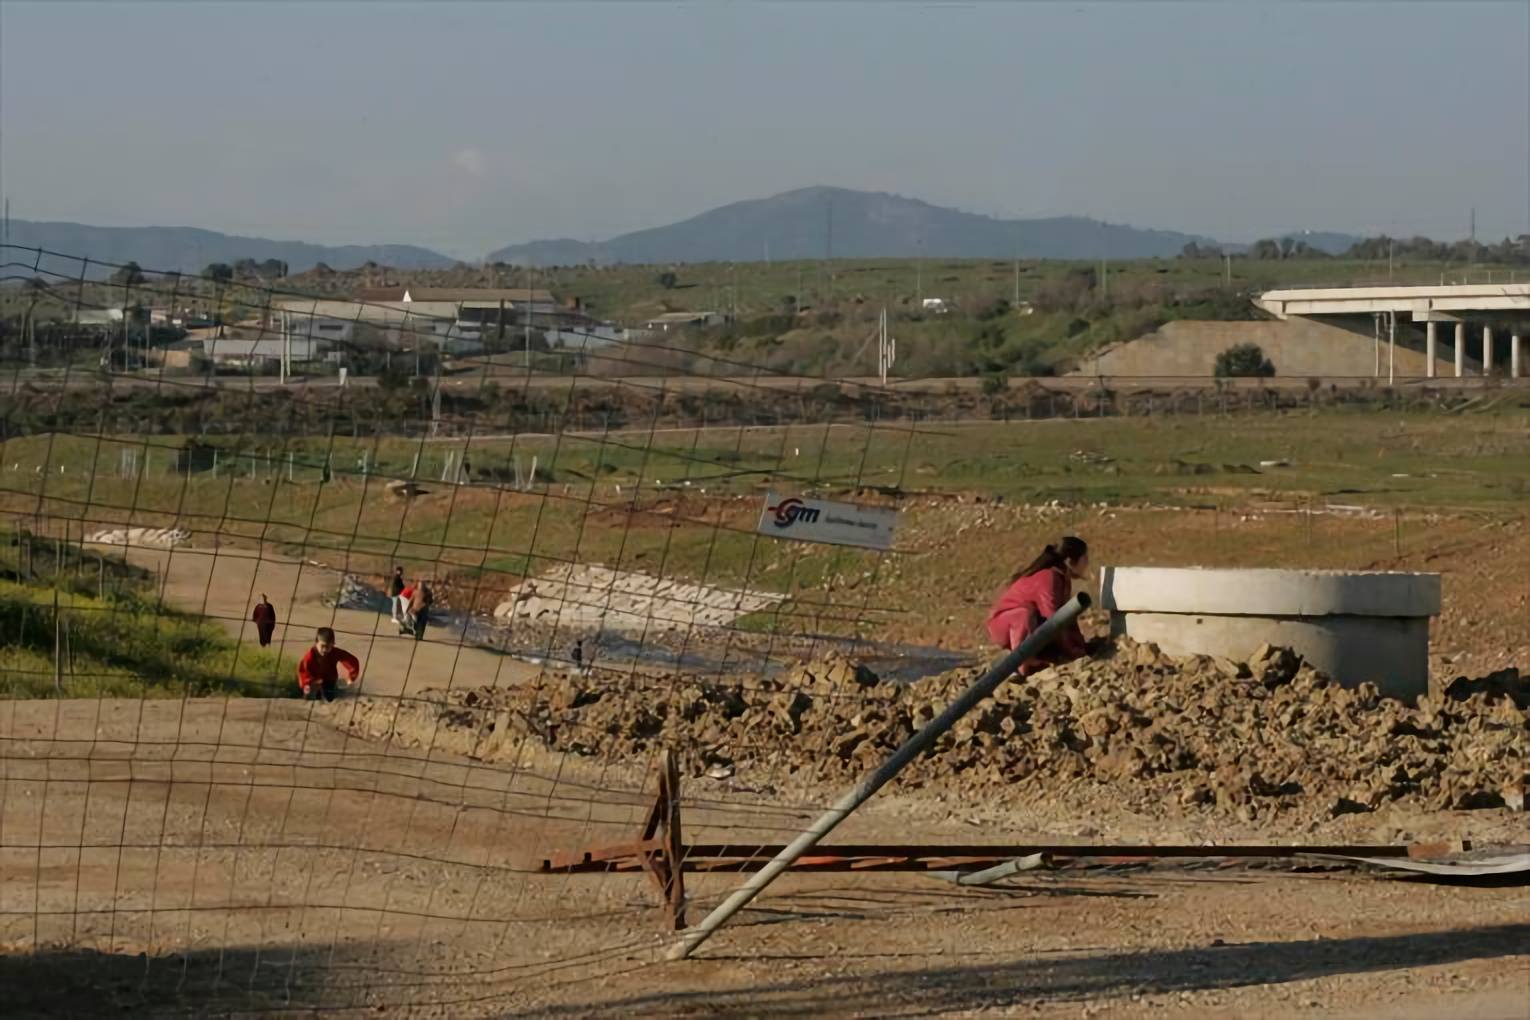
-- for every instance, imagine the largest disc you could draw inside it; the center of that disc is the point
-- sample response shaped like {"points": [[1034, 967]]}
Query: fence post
{"points": [[58, 646], [875, 780]]}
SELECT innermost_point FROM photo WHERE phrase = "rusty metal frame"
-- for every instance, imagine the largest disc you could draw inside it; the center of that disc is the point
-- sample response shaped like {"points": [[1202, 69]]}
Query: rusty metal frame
{"points": [[658, 852], [665, 857]]}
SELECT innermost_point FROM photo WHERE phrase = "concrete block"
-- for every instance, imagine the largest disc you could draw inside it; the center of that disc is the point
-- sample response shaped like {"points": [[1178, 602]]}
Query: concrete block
{"points": [[1356, 627]]}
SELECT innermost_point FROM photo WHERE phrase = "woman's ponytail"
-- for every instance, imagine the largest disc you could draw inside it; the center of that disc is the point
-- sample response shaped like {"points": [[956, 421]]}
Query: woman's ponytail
{"points": [[1053, 556]]}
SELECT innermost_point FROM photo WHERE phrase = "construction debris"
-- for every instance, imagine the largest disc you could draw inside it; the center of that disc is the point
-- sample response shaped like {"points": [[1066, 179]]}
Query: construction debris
{"points": [[143, 538], [1262, 739]]}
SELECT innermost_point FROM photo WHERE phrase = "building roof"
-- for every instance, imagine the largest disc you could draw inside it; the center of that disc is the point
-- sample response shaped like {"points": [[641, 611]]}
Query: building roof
{"points": [[682, 317], [377, 313], [380, 293], [459, 294]]}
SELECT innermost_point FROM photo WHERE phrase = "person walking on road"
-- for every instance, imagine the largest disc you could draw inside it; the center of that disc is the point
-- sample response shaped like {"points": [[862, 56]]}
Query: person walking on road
{"points": [[265, 620], [1033, 595], [420, 601], [318, 671], [395, 595]]}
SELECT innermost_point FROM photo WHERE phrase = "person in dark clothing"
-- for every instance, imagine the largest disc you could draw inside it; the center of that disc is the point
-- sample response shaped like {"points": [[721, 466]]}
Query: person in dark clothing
{"points": [[395, 595], [265, 620], [578, 654], [420, 601]]}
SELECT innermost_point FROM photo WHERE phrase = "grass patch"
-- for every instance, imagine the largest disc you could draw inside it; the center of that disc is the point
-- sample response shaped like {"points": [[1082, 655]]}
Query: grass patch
{"points": [[77, 624]]}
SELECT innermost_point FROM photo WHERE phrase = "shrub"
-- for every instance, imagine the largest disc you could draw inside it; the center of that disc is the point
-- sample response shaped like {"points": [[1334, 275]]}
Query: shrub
{"points": [[1244, 361]]}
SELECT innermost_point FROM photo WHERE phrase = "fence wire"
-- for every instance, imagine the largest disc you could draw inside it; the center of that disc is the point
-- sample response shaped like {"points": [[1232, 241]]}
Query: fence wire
{"points": [[179, 829]]}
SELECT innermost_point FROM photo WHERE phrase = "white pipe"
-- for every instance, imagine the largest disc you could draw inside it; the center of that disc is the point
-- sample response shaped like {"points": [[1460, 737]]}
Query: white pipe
{"points": [[875, 780]]}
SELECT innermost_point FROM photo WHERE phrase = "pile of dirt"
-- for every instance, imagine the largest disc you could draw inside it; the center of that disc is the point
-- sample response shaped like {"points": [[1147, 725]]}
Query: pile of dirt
{"points": [[1268, 738]]}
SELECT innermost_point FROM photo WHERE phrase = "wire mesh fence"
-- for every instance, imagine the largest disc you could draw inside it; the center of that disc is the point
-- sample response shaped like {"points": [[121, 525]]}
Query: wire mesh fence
{"points": [[182, 829]]}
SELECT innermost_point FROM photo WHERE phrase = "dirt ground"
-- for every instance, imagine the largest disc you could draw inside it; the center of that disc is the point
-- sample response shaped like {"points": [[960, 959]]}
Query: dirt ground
{"points": [[224, 584], [211, 857], [246, 856]]}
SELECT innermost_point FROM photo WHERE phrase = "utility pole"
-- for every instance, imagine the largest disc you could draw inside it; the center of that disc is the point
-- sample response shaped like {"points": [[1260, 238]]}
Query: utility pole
{"points": [[1016, 302], [887, 351], [1104, 265], [828, 258], [828, 240], [1227, 263]]}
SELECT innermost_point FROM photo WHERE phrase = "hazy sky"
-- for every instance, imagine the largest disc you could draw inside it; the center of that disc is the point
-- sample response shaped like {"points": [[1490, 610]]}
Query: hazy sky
{"points": [[467, 126]]}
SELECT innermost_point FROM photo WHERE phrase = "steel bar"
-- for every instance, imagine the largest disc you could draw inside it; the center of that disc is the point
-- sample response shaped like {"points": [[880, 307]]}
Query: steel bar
{"points": [[930, 859], [1006, 851], [863, 791]]}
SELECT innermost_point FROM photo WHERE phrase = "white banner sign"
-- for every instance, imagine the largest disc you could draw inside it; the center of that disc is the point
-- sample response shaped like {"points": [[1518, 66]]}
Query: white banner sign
{"points": [[821, 520]]}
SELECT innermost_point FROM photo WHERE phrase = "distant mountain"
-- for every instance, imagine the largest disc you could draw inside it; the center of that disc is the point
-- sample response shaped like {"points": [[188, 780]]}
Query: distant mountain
{"points": [[812, 222], [190, 250]]}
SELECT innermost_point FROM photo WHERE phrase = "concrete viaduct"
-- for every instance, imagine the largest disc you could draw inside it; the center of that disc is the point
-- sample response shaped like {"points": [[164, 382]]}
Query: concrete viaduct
{"points": [[1468, 308]]}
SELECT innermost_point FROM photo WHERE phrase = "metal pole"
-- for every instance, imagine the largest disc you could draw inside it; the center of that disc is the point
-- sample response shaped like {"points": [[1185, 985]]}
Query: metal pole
{"points": [[875, 780]]}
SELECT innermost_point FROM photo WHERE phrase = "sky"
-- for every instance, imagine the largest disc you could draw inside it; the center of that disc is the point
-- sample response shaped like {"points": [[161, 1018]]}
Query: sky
{"points": [[465, 127]]}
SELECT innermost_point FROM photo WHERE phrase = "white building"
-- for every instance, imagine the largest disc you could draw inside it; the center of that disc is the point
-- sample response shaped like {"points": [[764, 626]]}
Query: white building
{"points": [[680, 320], [400, 325], [254, 352]]}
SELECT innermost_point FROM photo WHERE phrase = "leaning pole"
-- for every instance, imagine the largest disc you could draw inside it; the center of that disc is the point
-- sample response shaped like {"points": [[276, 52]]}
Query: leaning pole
{"points": [[875, 780]]}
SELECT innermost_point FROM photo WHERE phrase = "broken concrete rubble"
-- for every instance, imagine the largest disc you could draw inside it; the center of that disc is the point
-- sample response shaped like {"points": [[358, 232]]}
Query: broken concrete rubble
{"points": [[1264, 739]]}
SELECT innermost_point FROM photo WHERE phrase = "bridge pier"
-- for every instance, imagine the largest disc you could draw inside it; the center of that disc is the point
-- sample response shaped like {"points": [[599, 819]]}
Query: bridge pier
{"points": [[1431, 347], [1487, 351], [1514, 356], [1460, 349]]}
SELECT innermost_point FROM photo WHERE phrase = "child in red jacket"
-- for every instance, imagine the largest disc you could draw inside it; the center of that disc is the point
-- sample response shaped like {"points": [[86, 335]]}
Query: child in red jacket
{"points": [[319, 669]]}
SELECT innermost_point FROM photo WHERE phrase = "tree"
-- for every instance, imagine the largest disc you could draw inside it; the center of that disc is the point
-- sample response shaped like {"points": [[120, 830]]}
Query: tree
{"points": [[1266, 249], [219, 272], [1244, 361], [668, 280], [128, 275], [1196, 251]]}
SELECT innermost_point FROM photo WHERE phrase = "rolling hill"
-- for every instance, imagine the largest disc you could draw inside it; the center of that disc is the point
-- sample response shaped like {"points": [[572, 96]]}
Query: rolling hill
{"points": [[811, 223], [189, 249]]}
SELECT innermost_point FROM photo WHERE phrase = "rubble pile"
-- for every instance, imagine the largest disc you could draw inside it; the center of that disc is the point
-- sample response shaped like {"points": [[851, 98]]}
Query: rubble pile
{"points": [[1257, 740]]}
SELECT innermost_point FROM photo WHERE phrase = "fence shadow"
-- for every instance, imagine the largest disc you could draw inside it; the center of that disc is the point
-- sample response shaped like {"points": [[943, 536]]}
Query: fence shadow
{"points": [[67, 982], [1054, 979]]}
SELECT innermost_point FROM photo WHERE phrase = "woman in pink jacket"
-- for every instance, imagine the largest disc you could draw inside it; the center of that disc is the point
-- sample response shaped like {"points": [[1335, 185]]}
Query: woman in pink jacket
{"points": [[1033, 595]]}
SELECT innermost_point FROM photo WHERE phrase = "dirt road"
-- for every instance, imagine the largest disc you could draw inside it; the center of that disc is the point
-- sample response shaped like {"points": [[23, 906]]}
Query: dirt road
{"points": [[224, 584], [263, 861]]}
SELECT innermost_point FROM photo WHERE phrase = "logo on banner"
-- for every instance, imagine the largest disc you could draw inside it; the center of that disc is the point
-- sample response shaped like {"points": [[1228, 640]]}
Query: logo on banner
{"points": [[790, 511]]}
